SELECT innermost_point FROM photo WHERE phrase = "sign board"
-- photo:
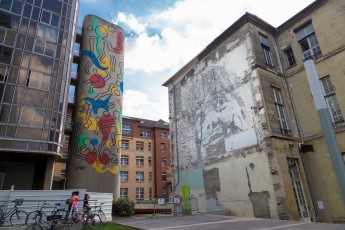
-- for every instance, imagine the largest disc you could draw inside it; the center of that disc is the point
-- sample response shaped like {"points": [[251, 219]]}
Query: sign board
{"points": [[161, 201], [177, 200]]}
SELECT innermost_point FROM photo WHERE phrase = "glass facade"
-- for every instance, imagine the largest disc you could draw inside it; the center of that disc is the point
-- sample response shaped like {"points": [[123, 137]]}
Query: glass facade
{"points": [[36, 50]]}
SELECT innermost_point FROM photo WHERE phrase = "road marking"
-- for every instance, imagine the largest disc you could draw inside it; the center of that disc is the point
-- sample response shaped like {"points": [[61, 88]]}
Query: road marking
{"points": [[283, 226], [208, 223]]}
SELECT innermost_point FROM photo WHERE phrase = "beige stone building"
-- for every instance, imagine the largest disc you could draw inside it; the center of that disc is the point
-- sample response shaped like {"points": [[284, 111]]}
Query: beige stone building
{"points": [[245, 134]]}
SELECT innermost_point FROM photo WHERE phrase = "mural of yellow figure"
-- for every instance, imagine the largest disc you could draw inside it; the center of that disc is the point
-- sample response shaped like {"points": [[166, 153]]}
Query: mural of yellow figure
{"points": [[96, 142]]}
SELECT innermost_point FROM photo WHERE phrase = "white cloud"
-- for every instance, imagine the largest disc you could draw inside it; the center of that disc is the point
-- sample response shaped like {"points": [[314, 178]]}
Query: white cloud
{"points": [[185, 30], [136, 104]]}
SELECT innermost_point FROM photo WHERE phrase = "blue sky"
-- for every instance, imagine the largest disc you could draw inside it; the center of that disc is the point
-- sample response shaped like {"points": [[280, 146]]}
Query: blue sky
{"points": [[164, 35]]}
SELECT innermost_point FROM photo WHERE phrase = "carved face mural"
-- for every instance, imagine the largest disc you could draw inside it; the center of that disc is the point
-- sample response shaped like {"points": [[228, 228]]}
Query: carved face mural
{"points": [[97, 129]]}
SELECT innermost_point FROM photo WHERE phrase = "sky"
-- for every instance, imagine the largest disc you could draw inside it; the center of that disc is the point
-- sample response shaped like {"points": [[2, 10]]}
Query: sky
{"points": [[164, 35]]}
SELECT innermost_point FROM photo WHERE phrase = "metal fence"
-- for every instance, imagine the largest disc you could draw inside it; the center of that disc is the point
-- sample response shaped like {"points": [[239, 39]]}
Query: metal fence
{"points": [[34, 199]]}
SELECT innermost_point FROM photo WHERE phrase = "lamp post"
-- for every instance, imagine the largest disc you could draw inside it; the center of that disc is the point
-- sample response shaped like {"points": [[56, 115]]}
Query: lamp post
{"points": [[327, 127]]}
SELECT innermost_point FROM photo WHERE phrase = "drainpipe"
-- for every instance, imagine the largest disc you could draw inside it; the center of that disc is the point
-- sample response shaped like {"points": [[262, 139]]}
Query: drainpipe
{"points": [[176, 143], [309, 184], [327, 127]]}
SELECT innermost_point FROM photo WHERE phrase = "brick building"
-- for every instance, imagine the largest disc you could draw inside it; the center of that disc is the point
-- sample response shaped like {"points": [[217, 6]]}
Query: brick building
{"points": [[145, 159]]}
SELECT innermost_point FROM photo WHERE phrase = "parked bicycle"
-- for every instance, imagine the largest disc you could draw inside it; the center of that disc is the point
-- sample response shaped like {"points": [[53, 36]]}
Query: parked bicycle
{"points": [[16, 217], [40, 215], [85, 220], [97, 210], [53, 222]]}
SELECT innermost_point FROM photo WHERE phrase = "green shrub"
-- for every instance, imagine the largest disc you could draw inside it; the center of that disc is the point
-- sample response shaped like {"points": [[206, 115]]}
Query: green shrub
{"points": [[124, 207]]}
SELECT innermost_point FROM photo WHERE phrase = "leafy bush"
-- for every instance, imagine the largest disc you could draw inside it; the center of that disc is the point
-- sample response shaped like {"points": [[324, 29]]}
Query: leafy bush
{"points": [[124, 207]]}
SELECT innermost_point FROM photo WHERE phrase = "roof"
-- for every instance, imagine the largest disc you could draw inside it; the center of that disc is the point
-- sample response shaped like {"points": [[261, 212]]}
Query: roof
{"points": [[149, 123]]}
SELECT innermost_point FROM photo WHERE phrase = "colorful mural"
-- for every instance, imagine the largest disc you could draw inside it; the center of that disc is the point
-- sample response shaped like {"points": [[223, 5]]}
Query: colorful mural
{"points": [[97, 129]]}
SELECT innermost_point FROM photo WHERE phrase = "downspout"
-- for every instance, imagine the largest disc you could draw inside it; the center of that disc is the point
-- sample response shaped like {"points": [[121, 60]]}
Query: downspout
{"points": [[301, 141], [176, 142]]}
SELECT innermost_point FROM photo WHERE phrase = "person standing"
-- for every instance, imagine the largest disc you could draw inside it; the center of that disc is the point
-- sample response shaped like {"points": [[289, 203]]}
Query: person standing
{"points": [[69, 202]]}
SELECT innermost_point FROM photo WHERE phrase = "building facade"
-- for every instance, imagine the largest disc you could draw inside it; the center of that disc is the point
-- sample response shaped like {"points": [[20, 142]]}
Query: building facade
{"points": [[36, 45], [145, 159], [244, 131]]}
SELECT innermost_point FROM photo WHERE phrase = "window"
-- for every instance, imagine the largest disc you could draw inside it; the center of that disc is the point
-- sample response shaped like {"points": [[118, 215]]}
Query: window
{"points": [[144, 133], [298, 188], [76, 49], [124, 192], [150, 176], [127, 129], [125, 144], [332, 101], [163, 147], [124, 176], [164, 192], [139, 161], [164, 161], [74, 70], [164, 176], [163, 135], [50, 18], [32, 117], [139, 193], [71, 94], [38, 80], [150, 192], [280, 111], [139, 177], [266, 50], [140, 146], [124, 160], [290, 57], [308, 42], [149, 146], [67, 139], [150, 161]]}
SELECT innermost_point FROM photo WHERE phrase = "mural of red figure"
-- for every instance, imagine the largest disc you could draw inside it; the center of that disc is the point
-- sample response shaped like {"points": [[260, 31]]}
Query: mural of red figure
{"points": [[96, 142]]}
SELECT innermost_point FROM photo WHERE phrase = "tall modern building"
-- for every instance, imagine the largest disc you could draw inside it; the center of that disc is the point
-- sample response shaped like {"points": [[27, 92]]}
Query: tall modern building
{"points": [[245, 133], [36, 46]]}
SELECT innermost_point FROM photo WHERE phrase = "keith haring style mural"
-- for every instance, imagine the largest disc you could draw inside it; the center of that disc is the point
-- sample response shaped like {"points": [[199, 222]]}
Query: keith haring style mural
{"points": [[97, 128]]}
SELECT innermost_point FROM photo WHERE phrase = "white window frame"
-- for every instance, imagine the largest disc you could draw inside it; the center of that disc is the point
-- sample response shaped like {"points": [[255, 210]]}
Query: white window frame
{"points": [[139, 160], [124, 176], [125, 144], [139, 145], [145, 133], [281, 114], [124, 160], [139, 193], [139, 176], [306, 37], [124, 192], [266, 51], [127, 129], [332, 101], [163, 135]]}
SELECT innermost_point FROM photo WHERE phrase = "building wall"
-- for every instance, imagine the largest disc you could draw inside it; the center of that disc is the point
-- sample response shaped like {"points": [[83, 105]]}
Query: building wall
{"points": [[222, 151], [327, 21], [34, 66], [154, 154], [95, 153]]}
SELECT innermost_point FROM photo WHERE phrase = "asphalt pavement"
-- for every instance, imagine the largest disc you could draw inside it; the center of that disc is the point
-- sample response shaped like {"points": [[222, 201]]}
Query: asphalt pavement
{"points": [[212, 221]]}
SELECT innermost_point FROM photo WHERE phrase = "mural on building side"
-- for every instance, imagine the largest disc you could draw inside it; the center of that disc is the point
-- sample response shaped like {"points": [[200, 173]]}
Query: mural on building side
{"points": [[97, 130]]}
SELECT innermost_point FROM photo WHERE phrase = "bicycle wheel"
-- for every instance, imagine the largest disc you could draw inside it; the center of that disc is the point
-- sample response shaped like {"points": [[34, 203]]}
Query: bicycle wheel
{"points": [[18, 218], [35, 226], [61, 212], [102, 217], [95, 220], [33, 217]]}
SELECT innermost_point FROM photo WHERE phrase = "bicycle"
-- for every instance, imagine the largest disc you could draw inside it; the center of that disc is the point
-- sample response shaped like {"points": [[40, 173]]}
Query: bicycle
{"points": [[17, 217], [39, 214], [53, 222], [86, 220], [98, 211]]}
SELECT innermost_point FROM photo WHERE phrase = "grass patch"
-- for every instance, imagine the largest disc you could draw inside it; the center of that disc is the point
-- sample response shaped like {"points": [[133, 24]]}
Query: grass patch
{"points": [[112, 226]]}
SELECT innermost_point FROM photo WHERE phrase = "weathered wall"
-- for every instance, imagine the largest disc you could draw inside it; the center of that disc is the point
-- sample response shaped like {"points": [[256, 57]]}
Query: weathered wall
{"points": [[222, 157], [327, 22], [96, 143]]}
